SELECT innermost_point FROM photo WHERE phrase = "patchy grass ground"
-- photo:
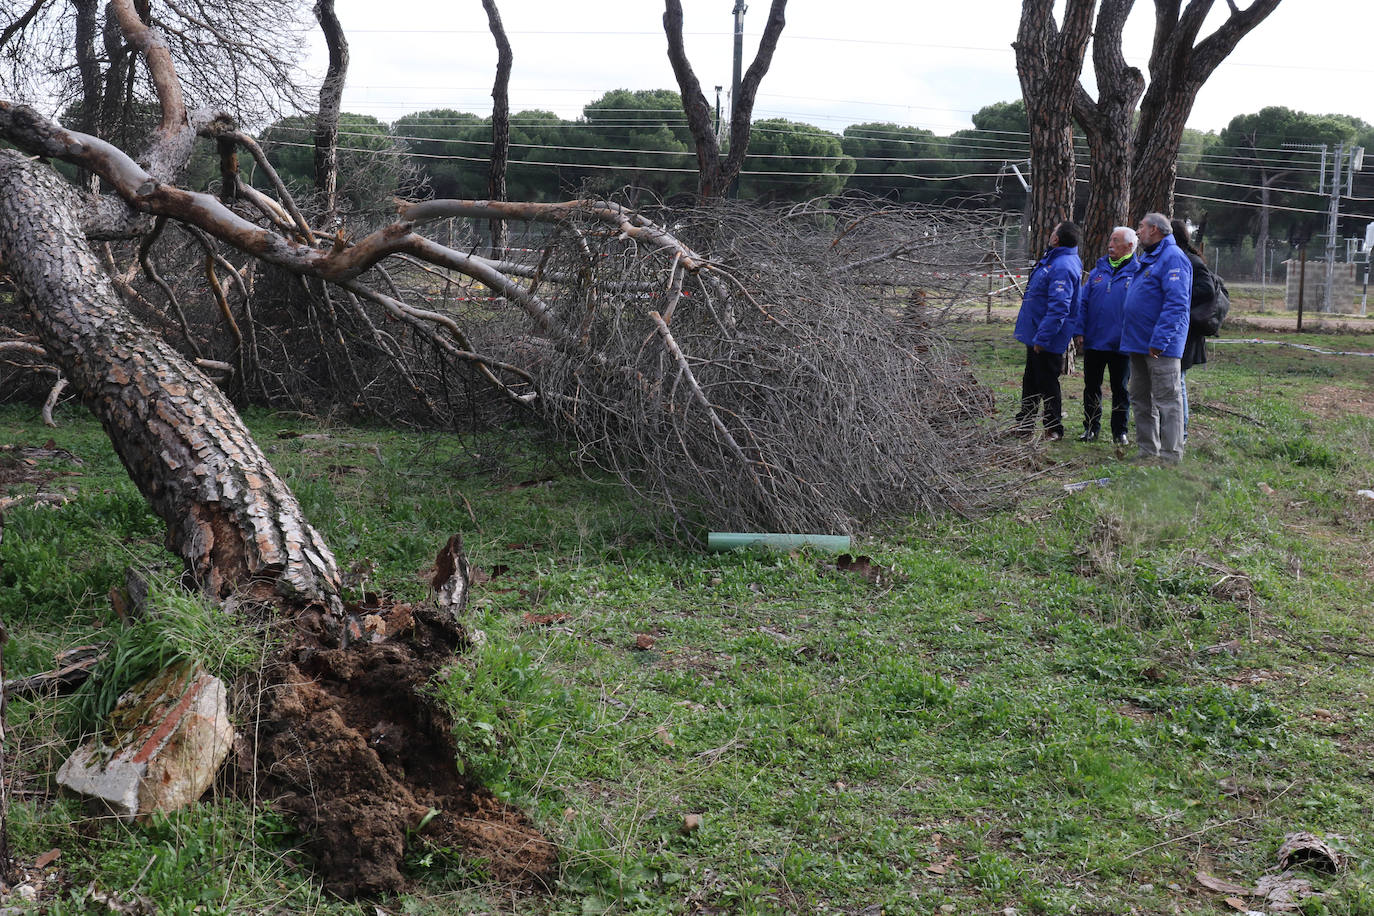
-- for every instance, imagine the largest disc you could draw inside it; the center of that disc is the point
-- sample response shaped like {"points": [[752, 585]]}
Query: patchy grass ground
{"points": [[1081, 703]]}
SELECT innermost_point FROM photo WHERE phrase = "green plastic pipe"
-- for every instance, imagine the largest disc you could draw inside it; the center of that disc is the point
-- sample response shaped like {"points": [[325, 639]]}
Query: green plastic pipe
{"points": [[717, 541]]}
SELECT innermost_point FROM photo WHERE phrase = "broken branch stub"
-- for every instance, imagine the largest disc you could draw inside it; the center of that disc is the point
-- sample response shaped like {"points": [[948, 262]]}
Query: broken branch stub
{"points": [[452, 576]]}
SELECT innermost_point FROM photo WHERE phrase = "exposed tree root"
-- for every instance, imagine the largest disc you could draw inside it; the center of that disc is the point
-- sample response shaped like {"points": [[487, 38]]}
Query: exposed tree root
{"points": [[354, 752]]}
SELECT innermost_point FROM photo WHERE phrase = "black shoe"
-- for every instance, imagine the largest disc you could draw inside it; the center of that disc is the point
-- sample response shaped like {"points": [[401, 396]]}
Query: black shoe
{"points": [[1053, 435], [1089, 435], [1122, 440]]}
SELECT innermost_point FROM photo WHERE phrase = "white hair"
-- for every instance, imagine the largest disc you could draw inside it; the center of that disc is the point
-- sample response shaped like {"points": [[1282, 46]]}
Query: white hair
{"points": [[1128, 234]]}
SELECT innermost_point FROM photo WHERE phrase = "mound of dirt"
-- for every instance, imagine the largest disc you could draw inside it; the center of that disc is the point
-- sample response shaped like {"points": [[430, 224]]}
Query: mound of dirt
{"points": [[357, 756]]}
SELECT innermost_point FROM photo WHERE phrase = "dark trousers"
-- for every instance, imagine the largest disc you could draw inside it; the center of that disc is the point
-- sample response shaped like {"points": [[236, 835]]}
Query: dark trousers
{"points": [[1119, 367], [1040, 382]]}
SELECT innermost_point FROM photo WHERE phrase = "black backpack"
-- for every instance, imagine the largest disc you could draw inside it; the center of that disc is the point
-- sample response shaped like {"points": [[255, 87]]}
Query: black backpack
{"points": [[1211, 300]]}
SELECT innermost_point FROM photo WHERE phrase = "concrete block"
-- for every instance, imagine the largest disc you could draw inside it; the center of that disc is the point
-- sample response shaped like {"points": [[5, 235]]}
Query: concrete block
{"points": [[165, 740]]}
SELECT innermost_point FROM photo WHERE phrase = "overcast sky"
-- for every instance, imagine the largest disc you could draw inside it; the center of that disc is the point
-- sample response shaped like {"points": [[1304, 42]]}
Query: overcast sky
{"points": [[925, 63]]}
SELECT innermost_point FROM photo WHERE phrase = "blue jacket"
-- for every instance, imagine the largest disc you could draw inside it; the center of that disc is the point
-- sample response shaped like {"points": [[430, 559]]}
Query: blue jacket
{"points": [[1156, 309], [1050, 294], [1097, 311]]}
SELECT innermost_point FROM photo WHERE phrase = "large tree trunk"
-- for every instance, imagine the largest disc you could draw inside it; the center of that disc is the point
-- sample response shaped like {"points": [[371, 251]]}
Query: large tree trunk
{"points": [[1052, 181], [1107, 125], [1155, 164], [88, 66], [1178, 69], [500, 123], [229, 516], [714, 173], [331, 101], [1048, 62]]}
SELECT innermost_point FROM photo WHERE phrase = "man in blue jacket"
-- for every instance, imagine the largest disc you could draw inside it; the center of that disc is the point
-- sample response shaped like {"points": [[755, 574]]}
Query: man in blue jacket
{"points": [[1043, 326], [1154, 328], [1096, 328]]}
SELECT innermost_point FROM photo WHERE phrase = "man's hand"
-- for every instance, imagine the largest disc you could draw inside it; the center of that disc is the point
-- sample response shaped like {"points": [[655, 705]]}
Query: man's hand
{"points": [[1038, 349], [1078, 342], [1154, 352]]}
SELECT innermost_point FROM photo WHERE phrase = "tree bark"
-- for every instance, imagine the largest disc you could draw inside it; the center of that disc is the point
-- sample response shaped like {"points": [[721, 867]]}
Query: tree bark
{"points": [[714, 174], [331, 102], [1106, 123], [1048, 62], [500, 123], [1178, 69], [229, 516], [88, 66]]}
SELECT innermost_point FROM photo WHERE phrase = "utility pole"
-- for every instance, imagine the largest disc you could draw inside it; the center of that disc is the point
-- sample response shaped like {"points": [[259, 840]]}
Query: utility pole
{"points": [[1302, 279], [1332, 217], [1356, 154], [740, 10]]}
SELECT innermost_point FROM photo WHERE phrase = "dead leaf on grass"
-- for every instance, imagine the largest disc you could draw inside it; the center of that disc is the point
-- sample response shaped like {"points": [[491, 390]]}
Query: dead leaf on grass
{"points": [[544, 620], [662, 734], [861, 566], [481, 575], [1284, 893], [526, 484], [643, 642], [47, 858], [1213, 883], [1239, 904], [941, 867]]}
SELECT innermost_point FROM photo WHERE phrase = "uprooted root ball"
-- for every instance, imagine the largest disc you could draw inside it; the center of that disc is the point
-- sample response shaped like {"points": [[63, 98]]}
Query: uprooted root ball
{"points": [[357, 756]]}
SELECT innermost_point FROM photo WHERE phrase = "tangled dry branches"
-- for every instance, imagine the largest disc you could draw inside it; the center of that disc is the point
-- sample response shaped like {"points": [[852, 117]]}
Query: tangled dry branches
{"points": [[767, 372], [739, 367]]}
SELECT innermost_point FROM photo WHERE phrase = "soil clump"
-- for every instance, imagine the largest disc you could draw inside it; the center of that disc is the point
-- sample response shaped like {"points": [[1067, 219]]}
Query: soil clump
{"points": [[359, 757]]}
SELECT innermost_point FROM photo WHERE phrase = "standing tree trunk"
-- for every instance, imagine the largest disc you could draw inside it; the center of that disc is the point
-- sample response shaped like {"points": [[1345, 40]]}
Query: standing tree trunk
{"points": [[1048, 63], [714, 174], [1267, 180], [1178, 69], [331, 101], [500, 123], [1107, 125], [229, 516], [88, 66]]}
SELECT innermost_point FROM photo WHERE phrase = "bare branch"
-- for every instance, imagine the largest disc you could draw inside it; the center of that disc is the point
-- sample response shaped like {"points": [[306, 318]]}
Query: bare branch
{"points": [[58, 387], [22, 22]]}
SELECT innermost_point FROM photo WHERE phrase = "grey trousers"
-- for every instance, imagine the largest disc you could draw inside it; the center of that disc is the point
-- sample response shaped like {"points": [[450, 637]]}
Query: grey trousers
{"points": [[1157, 397]]}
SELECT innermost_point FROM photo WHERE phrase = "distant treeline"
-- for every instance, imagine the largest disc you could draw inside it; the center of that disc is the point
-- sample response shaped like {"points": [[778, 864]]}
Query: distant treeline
{"points": [[640, 139]]}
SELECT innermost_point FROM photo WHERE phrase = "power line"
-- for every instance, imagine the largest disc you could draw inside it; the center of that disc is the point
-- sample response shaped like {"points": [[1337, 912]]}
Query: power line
{"points": [[394, 153], [674, 119], [1255, 205], [944, 160]]}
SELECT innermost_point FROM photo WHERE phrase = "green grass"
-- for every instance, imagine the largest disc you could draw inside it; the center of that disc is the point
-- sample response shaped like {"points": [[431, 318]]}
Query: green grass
{"points": [[1074, 704]]}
